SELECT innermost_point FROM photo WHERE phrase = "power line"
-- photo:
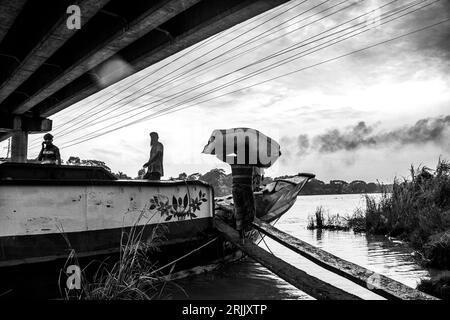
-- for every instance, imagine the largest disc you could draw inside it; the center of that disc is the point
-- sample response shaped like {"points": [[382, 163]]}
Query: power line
{"points": [[285, 50], [198, 96], [125, 87], [110, 111], [276, 64], [261, 60], [299, 70], [297, 56], [214, 37], [268, 80]]}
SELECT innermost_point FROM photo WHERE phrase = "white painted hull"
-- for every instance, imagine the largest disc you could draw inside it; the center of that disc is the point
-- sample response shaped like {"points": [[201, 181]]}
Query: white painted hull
{"points": [[44, 209]]}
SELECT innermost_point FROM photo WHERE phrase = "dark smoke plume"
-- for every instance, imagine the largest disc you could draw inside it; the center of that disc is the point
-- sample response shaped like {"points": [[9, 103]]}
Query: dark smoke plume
{"points": [[434, 130]]}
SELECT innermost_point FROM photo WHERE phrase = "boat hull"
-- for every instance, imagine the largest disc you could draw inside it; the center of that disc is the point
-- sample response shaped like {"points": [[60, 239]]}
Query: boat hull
{"points": [[46, 219], [43, 221], [47, 279]]}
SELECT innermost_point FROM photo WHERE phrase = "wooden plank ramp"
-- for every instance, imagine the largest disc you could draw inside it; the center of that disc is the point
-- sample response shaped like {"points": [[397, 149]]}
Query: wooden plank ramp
{"points": [[314, 287], [375, 282]]}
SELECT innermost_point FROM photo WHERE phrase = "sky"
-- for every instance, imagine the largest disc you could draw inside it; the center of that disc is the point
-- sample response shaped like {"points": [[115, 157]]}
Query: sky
{"points": [[366, 116]]}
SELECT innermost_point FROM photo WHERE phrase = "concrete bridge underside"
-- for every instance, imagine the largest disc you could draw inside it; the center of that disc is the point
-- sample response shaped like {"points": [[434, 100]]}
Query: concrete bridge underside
{"points": [[45, 66]]}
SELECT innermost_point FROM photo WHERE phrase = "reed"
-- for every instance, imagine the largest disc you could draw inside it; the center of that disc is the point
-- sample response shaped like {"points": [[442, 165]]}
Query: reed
{"points": [[417, 210], [316, 221], [133, 276], [357, 221], [331, 222], [319, 217]]}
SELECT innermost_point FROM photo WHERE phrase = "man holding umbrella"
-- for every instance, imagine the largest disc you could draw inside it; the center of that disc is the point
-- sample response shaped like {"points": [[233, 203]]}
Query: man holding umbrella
{"points": [[247, 151]]}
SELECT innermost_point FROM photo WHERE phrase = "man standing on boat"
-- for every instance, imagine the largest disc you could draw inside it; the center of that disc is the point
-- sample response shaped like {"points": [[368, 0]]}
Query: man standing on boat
{"points": [[49, 153], [155, 164]]}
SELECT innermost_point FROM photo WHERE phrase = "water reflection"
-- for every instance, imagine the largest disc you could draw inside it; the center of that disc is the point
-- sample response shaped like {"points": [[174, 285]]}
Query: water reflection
{"points": [[319, 236]]}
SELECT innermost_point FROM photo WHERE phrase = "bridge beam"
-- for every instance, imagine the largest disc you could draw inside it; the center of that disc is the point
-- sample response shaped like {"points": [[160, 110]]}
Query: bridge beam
{"points": [[146, 22], [12, 123], [143, 53], [48, 45], [5, 135], [9, 10]]}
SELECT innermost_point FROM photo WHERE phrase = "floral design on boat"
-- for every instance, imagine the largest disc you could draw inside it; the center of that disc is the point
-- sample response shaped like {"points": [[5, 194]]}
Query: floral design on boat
{"points": [[179, 208]]}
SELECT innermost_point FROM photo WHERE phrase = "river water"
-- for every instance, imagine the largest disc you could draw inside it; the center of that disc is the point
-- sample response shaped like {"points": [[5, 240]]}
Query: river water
{"points": [[246, 279]]}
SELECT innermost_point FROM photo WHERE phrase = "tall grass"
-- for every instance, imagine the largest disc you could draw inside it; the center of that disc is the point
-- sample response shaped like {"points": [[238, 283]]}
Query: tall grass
{"points": [[333, 222], [357, 221], [133, 276], [416, 210]]}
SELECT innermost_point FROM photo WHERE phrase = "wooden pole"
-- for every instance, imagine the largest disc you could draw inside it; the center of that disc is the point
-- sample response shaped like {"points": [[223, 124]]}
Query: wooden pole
{"points": [[372, 281], [298, 278]]}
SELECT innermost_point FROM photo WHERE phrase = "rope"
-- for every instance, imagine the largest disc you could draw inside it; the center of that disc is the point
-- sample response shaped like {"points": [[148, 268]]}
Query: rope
{"points": [[262, 239], [186, 255]]}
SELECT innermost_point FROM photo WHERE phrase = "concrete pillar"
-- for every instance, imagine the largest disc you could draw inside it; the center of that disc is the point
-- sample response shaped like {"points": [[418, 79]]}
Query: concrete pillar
{"points": [[19, 142]]}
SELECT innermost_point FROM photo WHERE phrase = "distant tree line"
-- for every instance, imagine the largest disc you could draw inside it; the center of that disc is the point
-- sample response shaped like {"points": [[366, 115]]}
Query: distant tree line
{"points": [[315, 186], [221, 182], [217, 178], [76, 161]]}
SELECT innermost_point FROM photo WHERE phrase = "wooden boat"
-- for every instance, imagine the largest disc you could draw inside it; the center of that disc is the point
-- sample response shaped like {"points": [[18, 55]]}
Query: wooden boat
{"points": [[47, 211], [273, 200]]}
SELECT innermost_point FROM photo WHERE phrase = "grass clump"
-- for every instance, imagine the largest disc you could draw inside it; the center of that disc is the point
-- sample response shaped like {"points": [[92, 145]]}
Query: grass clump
{"points": [[357, 221], [333, 222], [132, 277]]}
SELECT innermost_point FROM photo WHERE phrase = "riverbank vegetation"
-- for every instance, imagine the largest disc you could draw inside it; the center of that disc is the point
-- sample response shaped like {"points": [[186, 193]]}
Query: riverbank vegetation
{"points": [[320, 221], [418, 211], [132, 277], [355, 222], [414, 209]]}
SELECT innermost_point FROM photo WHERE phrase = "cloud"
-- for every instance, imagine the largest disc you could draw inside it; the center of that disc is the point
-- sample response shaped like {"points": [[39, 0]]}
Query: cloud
{"points": [[434, 43]]}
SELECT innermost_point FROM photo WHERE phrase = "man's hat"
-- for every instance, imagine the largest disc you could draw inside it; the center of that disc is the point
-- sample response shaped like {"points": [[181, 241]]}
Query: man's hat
{"points": [[48, 136]]}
